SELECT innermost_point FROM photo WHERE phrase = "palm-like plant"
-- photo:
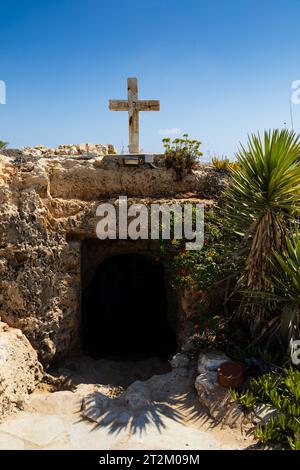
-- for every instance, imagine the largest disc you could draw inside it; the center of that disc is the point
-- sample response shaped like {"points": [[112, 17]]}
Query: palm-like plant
{"points": [[286, 281], [2, 144], [264, 193]]}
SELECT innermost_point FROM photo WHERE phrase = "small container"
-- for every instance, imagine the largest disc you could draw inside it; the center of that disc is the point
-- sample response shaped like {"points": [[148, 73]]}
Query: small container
{"points": [[232, 374]]}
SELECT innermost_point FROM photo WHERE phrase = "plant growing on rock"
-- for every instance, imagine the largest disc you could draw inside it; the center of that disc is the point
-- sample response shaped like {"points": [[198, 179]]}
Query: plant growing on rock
{"points": [[263, 196], [200, 270], [3, 145], [181, 155], [224, 164]]}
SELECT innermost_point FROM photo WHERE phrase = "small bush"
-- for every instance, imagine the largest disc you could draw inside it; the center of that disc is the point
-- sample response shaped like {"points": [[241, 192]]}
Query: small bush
{"points": [[281, 391], [202, 269], [224, 164], [181, 155], [3, 144]]}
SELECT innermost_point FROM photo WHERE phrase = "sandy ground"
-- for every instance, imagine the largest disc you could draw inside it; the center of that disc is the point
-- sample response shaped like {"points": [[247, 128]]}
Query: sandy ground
{"points": [[53, 420]]}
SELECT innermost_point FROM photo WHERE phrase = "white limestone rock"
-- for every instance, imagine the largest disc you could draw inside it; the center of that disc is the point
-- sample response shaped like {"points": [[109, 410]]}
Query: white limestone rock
{"points": [[74, 150], [137, 395], [94, 406], [263, 413], [179, 360], [215, 398], [20, 370], [211, 361]]}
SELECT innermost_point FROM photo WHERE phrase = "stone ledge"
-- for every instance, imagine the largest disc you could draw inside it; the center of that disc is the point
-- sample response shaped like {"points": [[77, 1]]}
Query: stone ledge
{"points": [[215, 398], [85, 149]]}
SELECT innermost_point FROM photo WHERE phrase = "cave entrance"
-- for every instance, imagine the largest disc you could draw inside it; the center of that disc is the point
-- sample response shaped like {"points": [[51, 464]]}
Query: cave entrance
{"points": [[125, 311]]}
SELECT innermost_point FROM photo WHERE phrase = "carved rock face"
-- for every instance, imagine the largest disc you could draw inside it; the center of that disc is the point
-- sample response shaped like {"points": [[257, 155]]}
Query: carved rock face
{"points": [[47, 208]]}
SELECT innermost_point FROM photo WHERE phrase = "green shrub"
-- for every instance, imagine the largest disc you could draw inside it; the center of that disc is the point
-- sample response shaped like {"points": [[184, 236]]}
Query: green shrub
{"points": [[263, 196], [286, 289], [281, 391], [201, 269], [286, 282], [224, 164], [3, 144], [181, 155]]}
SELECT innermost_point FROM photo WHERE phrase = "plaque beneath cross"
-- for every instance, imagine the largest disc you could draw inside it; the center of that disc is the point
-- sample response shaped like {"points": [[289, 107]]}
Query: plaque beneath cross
{"points": [[133, 105]]}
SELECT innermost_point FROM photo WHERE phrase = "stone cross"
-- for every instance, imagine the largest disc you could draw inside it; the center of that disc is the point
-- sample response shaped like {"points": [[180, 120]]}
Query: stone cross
{"points": [[133, 105]]}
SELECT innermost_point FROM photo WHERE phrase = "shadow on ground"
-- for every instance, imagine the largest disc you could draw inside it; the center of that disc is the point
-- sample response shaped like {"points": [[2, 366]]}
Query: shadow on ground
{"points": [[116, 415]]}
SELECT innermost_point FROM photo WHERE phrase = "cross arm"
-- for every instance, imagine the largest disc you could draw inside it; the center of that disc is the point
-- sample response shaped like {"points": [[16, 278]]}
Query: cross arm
{"points": [[148, 105], [118, 105]]}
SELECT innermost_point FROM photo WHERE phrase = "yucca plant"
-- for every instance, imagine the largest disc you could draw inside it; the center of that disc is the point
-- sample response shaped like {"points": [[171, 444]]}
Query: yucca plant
{"points": [[286, 282], [3, 144], [264, 193]]}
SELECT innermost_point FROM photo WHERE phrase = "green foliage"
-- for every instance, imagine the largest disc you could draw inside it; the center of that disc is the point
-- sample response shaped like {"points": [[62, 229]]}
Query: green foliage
{"points": [[246, 399], [263, 195], [224, 164], [201, 269], [281, 391], [286, 282], [286, 287], [287, 269], [3, 144], [181, 154], [268, 178]]}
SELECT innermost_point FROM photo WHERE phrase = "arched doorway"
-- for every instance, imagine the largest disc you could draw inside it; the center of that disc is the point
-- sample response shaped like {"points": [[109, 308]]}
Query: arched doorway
{"points": [[125, 310]]}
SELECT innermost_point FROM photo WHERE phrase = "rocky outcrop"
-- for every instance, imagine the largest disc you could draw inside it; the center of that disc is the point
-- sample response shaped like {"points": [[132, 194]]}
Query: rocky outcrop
{"points": [[179, 360], [47, 207], [141, 401], [20, 370], [215, 398], [62, 150]]}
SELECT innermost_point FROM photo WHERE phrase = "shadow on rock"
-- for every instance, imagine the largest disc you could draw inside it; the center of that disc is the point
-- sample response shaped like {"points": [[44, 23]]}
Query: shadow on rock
{"points": [[143, 404]]}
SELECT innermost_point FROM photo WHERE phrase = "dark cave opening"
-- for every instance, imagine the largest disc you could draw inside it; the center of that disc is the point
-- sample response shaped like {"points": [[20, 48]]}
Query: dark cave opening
{"points": [[125, 310]]}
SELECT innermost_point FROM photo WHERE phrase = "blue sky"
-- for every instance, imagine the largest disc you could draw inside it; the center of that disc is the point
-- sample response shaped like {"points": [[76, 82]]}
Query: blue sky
{"points": [[221, 69]]}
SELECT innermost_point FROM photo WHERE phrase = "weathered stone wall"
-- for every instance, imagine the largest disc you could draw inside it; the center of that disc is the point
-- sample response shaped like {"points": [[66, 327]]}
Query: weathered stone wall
{"points": [[20, 370], [47, 207]]}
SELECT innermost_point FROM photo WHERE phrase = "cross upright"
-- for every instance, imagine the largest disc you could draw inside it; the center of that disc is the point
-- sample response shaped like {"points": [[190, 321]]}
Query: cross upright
{"points": [[133, 105]]}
